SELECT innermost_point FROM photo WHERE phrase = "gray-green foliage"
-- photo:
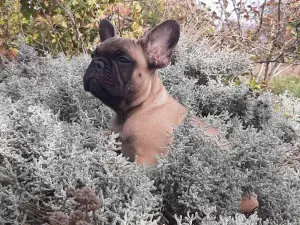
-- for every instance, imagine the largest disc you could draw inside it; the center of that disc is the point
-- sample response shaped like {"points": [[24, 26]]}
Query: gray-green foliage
{"points": [[264, 142], [197, 59], [51, 139]]}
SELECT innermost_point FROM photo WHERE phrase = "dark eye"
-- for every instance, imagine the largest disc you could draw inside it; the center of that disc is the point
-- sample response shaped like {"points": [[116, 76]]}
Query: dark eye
{"points": [[123, 59], [93, 53]]}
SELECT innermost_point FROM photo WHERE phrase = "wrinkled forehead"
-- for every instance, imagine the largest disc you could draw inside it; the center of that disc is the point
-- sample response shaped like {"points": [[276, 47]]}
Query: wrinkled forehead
{"points": [[118, 45]]}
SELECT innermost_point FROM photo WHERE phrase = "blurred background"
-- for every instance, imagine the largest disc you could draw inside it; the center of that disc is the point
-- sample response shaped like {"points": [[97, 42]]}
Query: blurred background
{"points": [[267, 30]]}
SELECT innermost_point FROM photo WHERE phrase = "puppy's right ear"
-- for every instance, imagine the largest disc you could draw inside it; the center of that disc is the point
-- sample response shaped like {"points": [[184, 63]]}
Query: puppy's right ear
{"points": [[106, 30]]}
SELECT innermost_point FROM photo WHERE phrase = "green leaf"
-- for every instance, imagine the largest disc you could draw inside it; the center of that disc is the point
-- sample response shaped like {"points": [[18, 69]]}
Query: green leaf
{"points": [[74, 2], [64, 24], [35, 36], [59, 20], [91, 2], [25, 20], [77, 15]]}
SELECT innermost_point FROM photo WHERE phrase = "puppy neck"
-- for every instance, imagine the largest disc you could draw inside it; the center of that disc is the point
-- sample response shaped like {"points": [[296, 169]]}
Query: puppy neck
{"points": [[155, 95]]}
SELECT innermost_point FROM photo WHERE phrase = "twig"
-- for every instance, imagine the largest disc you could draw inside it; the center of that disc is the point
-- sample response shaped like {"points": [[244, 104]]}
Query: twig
{"points": [[260, 72], [58, 41], [278, 12], [261, 17], [19, 17], [86, 212], [119, 21], [94, 217], [73, 21], [280, 71]]}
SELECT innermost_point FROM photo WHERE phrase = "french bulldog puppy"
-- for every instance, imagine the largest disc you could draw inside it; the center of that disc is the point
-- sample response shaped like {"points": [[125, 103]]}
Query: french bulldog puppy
{"points": [[123, 75]]}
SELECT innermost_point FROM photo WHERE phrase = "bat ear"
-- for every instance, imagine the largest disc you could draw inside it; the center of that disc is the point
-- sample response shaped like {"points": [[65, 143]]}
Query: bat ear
{"points": [[160, 42], [106, 30]]}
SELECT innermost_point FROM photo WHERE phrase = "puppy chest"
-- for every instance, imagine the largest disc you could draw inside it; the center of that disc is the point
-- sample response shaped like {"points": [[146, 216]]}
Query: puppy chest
{"points": [[145, 141]]}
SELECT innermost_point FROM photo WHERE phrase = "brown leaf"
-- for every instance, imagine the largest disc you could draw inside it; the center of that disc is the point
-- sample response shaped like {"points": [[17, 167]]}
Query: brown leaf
{"points": [[225, 3], [59, 218]]}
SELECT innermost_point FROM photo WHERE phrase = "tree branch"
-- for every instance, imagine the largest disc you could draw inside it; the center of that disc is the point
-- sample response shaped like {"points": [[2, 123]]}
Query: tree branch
{"points": [[73, 21], [261, 17]]}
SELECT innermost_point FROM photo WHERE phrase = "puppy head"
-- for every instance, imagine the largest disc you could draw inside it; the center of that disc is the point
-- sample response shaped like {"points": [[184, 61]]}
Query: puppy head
{"points": [[121, 69]]}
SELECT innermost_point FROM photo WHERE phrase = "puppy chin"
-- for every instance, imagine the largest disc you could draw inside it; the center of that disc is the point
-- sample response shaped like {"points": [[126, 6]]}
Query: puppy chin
{"points": [[102, 94], [96, 89]]}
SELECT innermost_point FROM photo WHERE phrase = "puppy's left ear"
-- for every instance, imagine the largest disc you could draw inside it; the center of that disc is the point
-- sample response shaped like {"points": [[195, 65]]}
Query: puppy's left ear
{"points": [[106, 30], [160, 42]]}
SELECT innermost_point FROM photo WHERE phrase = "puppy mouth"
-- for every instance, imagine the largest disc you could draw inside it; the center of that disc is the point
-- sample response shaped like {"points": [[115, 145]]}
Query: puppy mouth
{"points": [[96, 89], [93, 85], [101, 85], [103, 94]]}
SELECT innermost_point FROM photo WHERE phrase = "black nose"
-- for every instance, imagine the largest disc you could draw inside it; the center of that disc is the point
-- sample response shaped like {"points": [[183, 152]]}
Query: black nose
{"points": [[99, 64]]}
